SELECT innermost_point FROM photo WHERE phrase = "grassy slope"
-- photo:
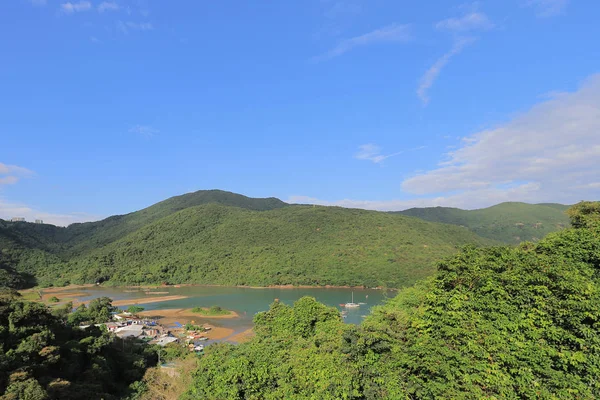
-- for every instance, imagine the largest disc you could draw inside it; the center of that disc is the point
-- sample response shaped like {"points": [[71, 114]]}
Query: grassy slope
{"points": [[506, 222], [292, 245]]}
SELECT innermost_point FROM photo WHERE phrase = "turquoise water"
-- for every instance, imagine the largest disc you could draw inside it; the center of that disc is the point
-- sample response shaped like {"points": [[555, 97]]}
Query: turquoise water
{"points": [[245, 301]]}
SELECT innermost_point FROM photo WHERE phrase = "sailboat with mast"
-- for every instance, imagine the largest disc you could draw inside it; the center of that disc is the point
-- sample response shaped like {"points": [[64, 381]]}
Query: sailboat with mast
{"points": [[352, 304]]}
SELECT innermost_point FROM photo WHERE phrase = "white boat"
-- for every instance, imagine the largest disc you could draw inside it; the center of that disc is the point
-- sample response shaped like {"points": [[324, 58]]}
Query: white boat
{"points": [[352, 304]]}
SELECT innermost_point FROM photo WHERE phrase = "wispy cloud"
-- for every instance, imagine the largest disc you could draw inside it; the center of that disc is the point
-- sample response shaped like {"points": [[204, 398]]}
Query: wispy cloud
{"points": [[144, 130], [94, 39], [471, 21], [389, 34], [10, 174], [125, 27], [372, 152], [70, 8], [108, 6], [547, 8], [38, 2], [430, 76]]}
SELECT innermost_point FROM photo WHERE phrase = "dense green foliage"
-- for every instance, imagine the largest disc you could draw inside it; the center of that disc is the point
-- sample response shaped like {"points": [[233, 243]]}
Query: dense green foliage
{"points": [[511, 223], [214, 310], [135, 309], [97, 312], [216, 244], [500, 322], [296, 354], [44, 357], [239, 241]]}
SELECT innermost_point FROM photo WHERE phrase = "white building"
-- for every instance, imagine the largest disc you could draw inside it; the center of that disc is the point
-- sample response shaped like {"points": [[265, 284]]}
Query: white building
{"points": [[130, 331], [165, 340], [39, 221], [17, 219]]}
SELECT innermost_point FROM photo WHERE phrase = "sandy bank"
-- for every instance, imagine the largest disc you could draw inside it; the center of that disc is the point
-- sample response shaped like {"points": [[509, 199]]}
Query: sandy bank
{"points": [[64, 297], [146, 300], [186, 313]]}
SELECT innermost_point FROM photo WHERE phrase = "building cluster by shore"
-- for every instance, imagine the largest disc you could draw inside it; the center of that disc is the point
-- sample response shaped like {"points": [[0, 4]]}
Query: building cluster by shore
{"points": [[125, 325]]}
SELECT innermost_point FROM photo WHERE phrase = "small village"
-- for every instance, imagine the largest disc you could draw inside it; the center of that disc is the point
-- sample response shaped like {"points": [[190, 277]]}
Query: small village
{"points": [[126, 325]]}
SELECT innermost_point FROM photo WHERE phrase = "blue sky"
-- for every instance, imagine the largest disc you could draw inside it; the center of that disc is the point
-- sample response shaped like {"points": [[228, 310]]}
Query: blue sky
{"points": [[110, 106]]}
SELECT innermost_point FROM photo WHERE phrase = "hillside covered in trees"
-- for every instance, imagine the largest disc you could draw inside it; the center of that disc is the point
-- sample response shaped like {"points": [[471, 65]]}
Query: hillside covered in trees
{"points": [[497, 322], [215, 237], [510, 223], [45, 355]]}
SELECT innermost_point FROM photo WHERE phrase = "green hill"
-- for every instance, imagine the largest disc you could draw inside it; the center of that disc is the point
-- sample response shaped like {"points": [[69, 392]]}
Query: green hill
{"points": [[81, 237], [300, 245], [216, 237], [510, 223]]}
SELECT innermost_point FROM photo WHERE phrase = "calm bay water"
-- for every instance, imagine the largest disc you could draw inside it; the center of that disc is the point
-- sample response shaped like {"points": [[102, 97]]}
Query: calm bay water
{"points": [[245, 301]]}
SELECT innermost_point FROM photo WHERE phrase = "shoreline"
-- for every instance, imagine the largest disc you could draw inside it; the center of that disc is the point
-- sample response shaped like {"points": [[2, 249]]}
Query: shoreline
{"points": [[146, 300], [170, 317], [53, 290], [185, 313]]}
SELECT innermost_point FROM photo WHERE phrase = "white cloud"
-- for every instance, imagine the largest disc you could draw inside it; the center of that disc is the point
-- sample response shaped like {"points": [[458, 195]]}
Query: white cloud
{"points": [[430, 76], [549, 153], [391, 33], [547, 8], [372, 152], [554, 146], [108, 6], [144, 130], [8, 180], [94, 39], [125, 27], [71, 8], [9, 210], [10, 174], [469, 22]]}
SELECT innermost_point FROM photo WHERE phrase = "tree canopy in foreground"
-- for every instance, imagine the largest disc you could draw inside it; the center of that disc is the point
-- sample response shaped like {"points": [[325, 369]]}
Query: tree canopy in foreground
{"points": [[43, 356]]}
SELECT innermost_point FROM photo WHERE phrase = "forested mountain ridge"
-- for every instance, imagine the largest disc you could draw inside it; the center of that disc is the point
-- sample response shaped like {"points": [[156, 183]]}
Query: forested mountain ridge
{"points": [[217, 237], [511, 223], [89, 235], [28, 249], [300, 245]]}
